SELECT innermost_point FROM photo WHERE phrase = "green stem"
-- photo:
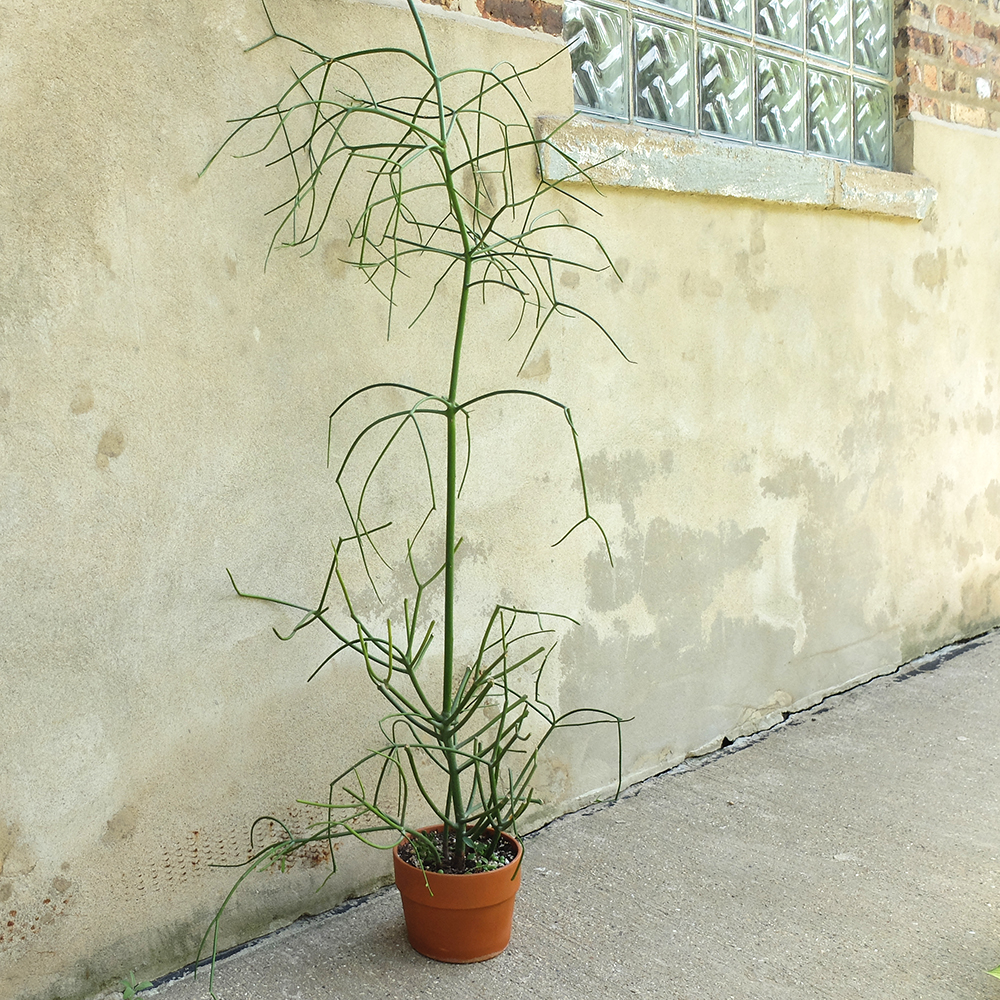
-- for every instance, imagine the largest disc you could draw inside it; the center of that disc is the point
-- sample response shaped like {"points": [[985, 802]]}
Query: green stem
{"points": [[449, 736]]}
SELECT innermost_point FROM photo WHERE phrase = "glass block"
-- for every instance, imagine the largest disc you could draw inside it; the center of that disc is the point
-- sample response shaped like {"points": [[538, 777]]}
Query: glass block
{"points": [[734, 13], [872, 124], [780, 121], [829, 116], [872, 21], [664, 74], [724, 77], [596, 40], [780, 20], [830, 28], [684, 6]]}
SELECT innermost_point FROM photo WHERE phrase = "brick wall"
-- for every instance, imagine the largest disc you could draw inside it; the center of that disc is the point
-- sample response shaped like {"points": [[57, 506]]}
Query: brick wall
{"points": [[948, 61], [539, 15]]}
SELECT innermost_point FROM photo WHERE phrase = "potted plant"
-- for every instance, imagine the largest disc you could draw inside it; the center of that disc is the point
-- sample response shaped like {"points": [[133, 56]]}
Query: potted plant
{"points": [[444, 171]]}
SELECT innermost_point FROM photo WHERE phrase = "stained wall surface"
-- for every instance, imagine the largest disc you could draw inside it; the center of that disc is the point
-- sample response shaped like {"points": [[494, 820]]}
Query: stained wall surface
{"points": [[797, 469]]}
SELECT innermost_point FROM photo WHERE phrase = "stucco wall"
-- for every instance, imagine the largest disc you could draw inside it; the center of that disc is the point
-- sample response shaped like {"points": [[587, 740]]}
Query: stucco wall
{"points": [[798, 475]]}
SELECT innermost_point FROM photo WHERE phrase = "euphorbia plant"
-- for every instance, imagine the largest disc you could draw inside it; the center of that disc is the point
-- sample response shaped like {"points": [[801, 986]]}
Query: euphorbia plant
{"points": [[444, 180]]}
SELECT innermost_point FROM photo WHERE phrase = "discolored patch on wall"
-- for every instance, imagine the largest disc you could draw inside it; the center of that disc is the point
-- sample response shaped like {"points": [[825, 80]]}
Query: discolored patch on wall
{"points": [[662, 680], [757, 242], [683, 567], [553, 781], [620, 478], [336, 258], [538, 367], [760, 297], [980, 603], [936, 506], [82, 401], [21, 922], [61, 885], [121, 826], [866, 439], [695, 283], [6, 842], [613, 586], [965, 550], [993, 498], [111, 445], [838, 567], [930, 269], [896, 310], [984, 420], [16, 857]]}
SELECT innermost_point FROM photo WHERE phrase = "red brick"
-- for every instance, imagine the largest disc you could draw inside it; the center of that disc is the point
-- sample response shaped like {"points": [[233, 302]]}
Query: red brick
{"points": [[934, 109], [988, 31], [954, 20], [524, 13], [948, 81], [931, 77], [976, 117], [959, 21], [922, 41], [967, 55]]}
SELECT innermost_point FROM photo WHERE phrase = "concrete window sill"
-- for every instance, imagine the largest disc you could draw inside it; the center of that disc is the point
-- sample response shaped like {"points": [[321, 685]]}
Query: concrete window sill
{"points": [[632, 156]]}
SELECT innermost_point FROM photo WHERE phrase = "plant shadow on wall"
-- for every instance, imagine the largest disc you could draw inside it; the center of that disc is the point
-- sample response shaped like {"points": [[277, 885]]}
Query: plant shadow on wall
{"points": [[441, 173]]}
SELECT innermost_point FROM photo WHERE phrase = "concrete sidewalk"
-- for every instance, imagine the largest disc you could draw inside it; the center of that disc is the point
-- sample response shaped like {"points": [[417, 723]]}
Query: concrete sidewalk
{"points": [[853, 851]]}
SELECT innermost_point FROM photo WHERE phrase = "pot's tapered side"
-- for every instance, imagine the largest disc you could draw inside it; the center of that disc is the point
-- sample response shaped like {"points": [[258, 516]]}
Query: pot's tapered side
{"points": [[458, 918]]}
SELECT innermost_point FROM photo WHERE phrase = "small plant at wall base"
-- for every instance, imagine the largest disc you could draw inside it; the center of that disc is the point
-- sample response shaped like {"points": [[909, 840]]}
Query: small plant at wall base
{"points": [[442, 171], [131, 987]]}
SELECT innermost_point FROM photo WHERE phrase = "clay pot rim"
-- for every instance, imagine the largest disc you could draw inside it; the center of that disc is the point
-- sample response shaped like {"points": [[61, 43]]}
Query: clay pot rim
{"points": [[514, 863]]}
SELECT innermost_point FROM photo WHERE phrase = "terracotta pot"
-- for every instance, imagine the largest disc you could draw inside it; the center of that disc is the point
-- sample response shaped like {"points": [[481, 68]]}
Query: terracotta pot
{"points": [[461, 918]]}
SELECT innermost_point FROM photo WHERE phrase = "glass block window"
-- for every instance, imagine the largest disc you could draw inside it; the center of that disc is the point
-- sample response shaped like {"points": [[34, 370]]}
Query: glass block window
{"points": [[813, 76]]}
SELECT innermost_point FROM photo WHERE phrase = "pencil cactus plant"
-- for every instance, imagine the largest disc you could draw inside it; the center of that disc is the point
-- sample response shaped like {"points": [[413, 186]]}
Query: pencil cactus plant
{"points": [[442, 171]]}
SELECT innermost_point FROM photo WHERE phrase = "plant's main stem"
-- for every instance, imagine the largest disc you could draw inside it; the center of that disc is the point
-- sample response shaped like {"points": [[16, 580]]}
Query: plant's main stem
{"points": [[451, 503], [455, 810]]}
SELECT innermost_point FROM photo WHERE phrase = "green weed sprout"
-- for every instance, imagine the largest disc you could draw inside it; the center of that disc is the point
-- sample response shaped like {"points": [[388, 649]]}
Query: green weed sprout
{"points": [[131, 988]]}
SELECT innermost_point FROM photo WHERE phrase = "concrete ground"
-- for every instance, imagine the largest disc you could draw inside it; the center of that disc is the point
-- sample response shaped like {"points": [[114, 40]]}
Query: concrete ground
{"points": [[853, 851]]}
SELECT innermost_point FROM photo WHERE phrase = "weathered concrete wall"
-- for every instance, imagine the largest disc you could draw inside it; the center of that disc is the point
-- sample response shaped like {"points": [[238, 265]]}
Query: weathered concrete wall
{"points": [[799, 475]]}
